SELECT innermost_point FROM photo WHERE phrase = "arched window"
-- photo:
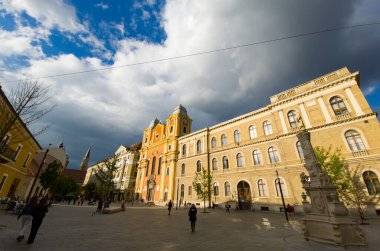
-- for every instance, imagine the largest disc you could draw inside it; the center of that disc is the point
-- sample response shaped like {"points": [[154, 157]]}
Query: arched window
{"points": [[239, 160], [213, 142], [227, 189], [338, 105], [182, 191], [199, 166], [224, 140], [354, 141], [237, 136], [147, 169], [184, 130], [216, 189], [252, 132], [283, 187], [292, 117], [184, 150], [262, 187], [371, 182], [300, 150], [225, 162], [159, 166], [273, 155], [183, 169], [257, 158], [199, 146], [267, 127], [214, 164], [153, 165]]}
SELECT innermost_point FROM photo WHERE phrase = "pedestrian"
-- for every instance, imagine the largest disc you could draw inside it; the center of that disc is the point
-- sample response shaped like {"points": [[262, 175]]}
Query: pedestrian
{"points": [[227, 208], [237, 207], [26, 217], [170, 205], [75, 200], [185, 204], [192, 217], [38, 213], [99, 207]]}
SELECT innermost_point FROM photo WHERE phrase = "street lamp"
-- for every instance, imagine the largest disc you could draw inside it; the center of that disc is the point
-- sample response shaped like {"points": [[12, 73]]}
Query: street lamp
{"points": [[282, 197], [176, 206], [37, 174]]}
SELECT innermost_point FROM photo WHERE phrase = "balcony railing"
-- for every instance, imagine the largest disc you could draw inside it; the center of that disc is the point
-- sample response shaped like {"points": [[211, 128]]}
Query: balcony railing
{"points": [[360, 153], [343, 116]]}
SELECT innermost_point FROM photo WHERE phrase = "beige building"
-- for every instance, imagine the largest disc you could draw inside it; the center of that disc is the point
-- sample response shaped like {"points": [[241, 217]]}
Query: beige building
{"points": [[244, 153], [125, 175]]}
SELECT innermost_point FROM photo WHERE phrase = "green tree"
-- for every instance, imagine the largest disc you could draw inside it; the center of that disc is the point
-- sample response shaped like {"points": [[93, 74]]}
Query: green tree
{"points": [[106, 174], [49, 179], [202, 187], [67, 185], [90, 190], [351, 189]]}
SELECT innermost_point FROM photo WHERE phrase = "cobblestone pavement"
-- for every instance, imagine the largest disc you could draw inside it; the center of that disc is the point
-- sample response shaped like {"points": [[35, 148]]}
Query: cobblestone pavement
{"points": [[140, 228]]}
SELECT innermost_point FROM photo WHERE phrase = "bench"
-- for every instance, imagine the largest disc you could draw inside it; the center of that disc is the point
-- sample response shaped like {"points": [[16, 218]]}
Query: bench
{"points": [[112, 210]]}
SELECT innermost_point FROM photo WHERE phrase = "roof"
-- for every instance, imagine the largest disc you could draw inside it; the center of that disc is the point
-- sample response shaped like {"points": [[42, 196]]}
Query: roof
{"points": [[77, 175]]}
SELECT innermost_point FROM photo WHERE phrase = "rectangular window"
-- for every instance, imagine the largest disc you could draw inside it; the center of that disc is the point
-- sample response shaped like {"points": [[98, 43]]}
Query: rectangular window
{"points": [[26, 160], [2, 182], [190, 190], [17, 152]]}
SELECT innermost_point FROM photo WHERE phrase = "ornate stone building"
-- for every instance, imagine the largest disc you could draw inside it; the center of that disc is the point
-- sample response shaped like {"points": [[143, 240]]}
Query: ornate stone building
{"points": [[158, 157], [244, 153], [125, 175]]}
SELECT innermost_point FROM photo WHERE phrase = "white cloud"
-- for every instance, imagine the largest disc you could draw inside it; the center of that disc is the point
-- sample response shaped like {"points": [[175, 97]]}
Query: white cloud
{"points": [[19, 42], [370, 89], [102, 5], [51, 14]]}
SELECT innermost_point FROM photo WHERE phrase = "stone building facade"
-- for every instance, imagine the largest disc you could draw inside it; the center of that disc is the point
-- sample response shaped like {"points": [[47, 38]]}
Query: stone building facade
{"points": [[244, 153], [125, 175]]}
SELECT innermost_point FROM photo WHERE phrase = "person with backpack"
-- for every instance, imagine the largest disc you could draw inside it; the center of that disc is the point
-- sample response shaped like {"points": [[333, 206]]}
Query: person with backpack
{"points": [[26, 217], [192, 216]]}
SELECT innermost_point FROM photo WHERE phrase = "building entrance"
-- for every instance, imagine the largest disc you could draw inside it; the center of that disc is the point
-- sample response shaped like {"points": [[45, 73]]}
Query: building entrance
{"points": [[244, 195]]}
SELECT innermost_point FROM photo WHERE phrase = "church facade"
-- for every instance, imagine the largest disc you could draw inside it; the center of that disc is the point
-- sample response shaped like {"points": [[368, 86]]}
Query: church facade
{"points": [[250, 155], [158, 157]]}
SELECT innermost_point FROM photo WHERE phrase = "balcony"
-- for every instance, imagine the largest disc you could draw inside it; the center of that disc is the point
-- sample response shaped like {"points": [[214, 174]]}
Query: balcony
{"points": [[360, 153], [343, 116], [6, 154]]}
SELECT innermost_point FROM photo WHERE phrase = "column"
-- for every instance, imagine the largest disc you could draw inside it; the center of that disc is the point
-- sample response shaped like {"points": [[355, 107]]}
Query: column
{"points": [[354, 102], [324, 110], [281, 115], [305, 118], [163, 175], [172, 178]]}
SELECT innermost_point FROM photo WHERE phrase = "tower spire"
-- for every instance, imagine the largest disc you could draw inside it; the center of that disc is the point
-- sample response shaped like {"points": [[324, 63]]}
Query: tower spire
{"points": [[86, 158]]}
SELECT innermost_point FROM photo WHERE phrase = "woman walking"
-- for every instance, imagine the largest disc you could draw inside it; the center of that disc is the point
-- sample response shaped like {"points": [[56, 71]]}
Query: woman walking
{"points": [[170, 205], [26, 217], [38, 213], [192, 216]]}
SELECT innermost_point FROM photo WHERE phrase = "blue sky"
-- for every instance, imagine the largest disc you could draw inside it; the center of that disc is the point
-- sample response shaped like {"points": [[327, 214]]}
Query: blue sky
{"points": [[107, 108]]}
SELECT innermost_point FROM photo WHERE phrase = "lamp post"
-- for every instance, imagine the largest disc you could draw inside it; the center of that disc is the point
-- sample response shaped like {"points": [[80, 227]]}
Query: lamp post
{"points": [[176, 206], [37, 174], [282, 197]]}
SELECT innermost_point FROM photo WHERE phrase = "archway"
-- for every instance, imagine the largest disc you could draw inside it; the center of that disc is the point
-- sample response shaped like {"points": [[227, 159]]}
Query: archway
{"points": [[244, 195]]}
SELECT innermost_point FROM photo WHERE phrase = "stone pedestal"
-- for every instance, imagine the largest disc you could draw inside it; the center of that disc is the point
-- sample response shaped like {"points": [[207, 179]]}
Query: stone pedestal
{"points": [[326, 218]]}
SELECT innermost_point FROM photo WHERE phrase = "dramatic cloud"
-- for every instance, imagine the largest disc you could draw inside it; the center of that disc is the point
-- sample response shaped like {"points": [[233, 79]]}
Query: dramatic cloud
{"points": [[107, 108]]}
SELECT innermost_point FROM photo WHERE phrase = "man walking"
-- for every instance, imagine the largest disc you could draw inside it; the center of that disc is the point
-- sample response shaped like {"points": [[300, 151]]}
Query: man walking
{"points": [[170, 205]]}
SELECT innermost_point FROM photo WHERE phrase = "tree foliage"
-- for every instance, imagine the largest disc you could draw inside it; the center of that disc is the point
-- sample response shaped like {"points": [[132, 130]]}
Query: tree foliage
{"points": [[29, 100], [105, 175], [351, 189], [49, 179], [90, 190], [57, 183], [202, 185]]}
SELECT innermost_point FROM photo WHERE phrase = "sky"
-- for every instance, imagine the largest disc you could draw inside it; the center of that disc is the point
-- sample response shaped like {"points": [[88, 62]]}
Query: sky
{"points": [[108, 108]]}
